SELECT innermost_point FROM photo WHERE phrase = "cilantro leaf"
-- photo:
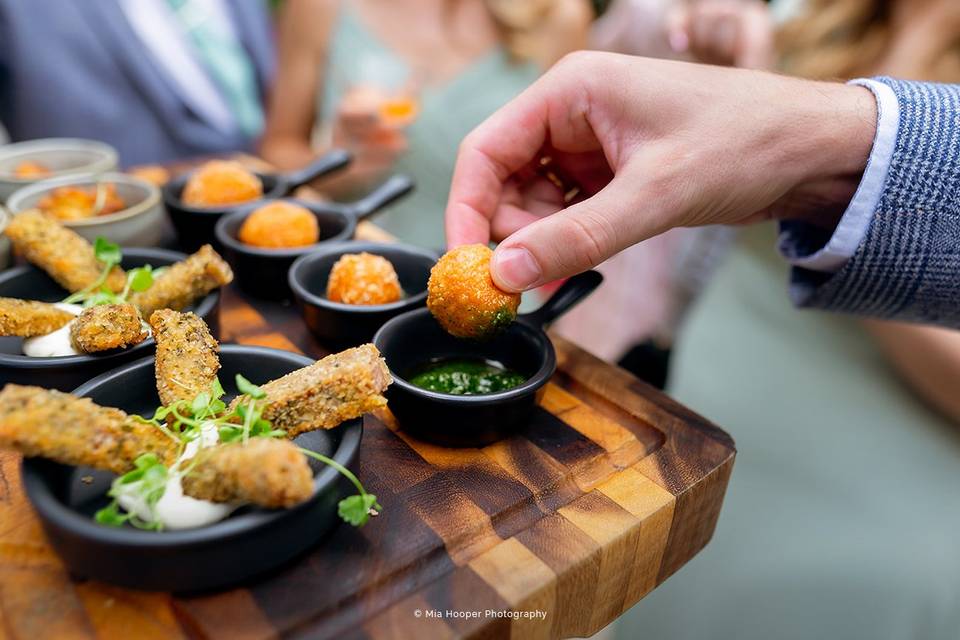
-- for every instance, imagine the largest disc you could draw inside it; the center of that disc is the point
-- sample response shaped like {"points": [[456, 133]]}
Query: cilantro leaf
{"points": [[247, 388], [141, 278], [107, 252], [356, 509]]}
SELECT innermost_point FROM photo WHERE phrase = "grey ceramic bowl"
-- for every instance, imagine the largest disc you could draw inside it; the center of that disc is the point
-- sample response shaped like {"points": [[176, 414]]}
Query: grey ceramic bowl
{"points": [[139, 225], [62, 156]]}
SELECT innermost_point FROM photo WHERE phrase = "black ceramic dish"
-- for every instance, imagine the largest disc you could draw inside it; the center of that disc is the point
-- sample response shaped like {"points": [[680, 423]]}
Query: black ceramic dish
{"points": [[343, 325], [66, 372], [195, 225], [414, 339], [263, 272], [247, 543]]}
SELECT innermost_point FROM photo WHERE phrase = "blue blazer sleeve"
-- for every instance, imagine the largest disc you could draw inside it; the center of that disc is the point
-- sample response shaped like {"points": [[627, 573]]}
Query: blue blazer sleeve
{"points": [[907, 267]]}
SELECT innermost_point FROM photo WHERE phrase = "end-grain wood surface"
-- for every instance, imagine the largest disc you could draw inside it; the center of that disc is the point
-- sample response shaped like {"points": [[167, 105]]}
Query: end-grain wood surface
{"points": [[609, 490]]}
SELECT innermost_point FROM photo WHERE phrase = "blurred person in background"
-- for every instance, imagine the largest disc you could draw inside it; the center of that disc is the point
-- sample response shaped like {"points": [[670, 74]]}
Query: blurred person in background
{"points": [[400, 83], [160, 80], [841, 517]]}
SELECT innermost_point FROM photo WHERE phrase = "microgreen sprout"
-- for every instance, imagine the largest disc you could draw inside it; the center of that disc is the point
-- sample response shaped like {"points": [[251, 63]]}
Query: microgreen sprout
{"points": [[184, 421], [110, 255], [147, 482]]}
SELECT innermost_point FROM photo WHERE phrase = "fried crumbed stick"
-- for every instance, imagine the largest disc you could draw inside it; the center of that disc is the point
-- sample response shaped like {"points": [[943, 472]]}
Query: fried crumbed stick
{"points": [[28, 318], [107, 326], [65, 256], [340, 387], [265, 471], [186, 362], [75, 431], [184, 282]]}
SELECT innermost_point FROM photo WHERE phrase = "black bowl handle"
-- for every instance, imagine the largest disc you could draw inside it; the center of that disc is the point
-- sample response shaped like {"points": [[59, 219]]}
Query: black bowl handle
{"points": [[569, 294], [394, 188], [327, 163]]}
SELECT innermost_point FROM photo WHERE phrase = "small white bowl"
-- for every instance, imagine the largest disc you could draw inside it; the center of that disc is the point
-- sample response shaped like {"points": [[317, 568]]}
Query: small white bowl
{"points": [[140, 224], [63, 156]]}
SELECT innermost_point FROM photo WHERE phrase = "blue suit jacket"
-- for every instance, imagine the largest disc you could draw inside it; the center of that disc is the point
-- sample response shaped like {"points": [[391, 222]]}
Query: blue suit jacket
{"points": [[908, 265], [76, 68]]}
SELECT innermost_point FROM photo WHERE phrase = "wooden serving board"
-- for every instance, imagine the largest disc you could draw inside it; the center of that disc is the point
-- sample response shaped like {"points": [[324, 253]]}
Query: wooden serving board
{"points": [[608, 491]]}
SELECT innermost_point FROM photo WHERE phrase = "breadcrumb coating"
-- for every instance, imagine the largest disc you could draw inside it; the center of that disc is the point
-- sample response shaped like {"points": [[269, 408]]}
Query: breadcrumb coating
{"points": [[65, 256], [340, 387], [462, 297], [28, 318], [219, 183], [184, 282], [363, 278], [187, 358], [75, 431], [107, 326], [265, 471], [279, 225]]}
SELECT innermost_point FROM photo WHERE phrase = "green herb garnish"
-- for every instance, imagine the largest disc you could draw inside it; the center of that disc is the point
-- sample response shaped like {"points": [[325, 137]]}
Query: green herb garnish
{"points": [[110, 255], [183, 421], [147, 482]]}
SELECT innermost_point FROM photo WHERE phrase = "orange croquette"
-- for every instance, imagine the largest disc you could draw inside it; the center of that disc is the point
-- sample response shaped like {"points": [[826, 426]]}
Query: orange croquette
{"points": [[279, 225], [462, 297], [363, 278], [221, 182]]}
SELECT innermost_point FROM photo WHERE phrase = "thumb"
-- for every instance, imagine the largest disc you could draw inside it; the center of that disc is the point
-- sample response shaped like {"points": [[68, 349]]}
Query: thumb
{"points": [[572, 240]]}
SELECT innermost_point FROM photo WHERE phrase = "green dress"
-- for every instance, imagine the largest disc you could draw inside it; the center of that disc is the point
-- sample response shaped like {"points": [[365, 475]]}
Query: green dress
{"points": [[448, 112], [842, 519]]}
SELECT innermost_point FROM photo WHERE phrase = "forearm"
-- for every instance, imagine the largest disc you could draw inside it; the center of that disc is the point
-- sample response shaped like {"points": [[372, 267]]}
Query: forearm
{"points": [[928, 359]]}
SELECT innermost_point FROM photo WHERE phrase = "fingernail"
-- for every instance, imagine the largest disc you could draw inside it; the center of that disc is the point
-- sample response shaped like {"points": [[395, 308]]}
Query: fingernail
{"points": [[515, 269]]}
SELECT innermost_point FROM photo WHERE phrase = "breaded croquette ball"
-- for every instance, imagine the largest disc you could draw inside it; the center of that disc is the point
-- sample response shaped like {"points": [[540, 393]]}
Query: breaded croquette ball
{"points": [[263, 471], [462, 297], [28, 318], [107, 326], [363, 278], [279, 225], [221, 182], [152, 173]]}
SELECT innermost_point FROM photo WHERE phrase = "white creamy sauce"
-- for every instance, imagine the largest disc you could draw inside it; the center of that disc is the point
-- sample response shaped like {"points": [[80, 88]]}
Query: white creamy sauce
{"points": [[175, 510], [58, 343], [53, 344]]}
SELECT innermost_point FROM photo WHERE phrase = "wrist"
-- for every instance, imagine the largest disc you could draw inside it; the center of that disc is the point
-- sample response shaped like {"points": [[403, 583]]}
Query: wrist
{"points": [[834, 127]]}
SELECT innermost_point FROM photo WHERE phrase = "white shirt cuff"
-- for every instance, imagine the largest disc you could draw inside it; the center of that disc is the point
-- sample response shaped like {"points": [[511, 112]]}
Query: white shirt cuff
{"points": [[853, 226]]}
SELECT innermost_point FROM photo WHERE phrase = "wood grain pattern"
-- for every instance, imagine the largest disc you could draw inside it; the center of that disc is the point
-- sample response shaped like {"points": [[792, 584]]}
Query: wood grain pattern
{"points": [[609, 490]]}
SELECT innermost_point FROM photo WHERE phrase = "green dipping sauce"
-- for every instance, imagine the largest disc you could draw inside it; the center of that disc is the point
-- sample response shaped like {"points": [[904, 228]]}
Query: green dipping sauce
{"points": [[465, 377]]}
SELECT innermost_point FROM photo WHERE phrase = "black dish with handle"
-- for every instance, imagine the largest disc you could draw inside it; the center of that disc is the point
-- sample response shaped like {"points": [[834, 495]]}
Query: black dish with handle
{"points": [[414, 339], [195, 225], [248, 542], [66, 372], [343, 325], [262, 272]]}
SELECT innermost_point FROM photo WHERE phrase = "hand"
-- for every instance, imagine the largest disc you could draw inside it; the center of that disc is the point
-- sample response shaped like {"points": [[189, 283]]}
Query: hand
{"points": [[360, 127], [732, 33], [654, 145]]}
